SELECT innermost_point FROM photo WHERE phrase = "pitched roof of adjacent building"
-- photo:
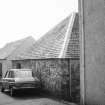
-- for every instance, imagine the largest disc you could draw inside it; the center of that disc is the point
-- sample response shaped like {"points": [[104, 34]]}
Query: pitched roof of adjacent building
{"points": [[60, 42], [14, 48]]}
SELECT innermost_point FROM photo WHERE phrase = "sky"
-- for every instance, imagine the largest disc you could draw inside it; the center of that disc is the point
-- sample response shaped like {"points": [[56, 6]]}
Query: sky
{"points": [[23, 18]]}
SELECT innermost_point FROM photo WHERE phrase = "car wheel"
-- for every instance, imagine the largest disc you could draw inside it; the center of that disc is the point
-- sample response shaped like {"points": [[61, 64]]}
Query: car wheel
{"points": [[2, 89], [11, 91]]}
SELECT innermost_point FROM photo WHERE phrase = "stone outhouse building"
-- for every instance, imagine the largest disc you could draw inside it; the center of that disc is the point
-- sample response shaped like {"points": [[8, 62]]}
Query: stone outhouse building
{"points": [[54, 59], [13, 49]]}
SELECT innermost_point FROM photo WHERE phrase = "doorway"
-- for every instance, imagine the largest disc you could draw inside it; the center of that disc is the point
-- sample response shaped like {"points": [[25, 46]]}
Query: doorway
{"points": [[0, 70]]}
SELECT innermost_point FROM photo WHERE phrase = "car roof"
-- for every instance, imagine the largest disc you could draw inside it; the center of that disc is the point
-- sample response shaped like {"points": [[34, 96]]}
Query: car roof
{"points": [[20, 70]]}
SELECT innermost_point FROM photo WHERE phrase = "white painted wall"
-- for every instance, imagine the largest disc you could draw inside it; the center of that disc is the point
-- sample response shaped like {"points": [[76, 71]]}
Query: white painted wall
{"points": [[93, 48]]}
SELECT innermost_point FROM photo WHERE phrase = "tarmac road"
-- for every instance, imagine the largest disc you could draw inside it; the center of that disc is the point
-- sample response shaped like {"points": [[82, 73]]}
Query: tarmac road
{"points": [[28, 98]]}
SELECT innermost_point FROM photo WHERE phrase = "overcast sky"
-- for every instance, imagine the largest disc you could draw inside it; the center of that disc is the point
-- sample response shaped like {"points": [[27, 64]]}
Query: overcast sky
{"points": [[22, 18]]}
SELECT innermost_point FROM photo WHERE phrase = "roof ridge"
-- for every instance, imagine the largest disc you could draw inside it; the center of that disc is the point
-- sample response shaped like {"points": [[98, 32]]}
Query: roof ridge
{"points": [[67, 36], [53, 28]]}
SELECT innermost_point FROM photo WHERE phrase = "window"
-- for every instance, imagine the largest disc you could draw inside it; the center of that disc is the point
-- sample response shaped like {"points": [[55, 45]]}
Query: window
{"points": [[18, 66], [11, 74]]}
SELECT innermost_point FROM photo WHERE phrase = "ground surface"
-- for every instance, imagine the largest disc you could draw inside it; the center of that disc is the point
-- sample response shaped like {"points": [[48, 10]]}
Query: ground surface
{"points": [[29, 98]]}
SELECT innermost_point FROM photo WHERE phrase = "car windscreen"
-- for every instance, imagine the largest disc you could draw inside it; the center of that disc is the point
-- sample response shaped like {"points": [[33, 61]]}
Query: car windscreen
{"points": [[9, 74], [23, 74]]}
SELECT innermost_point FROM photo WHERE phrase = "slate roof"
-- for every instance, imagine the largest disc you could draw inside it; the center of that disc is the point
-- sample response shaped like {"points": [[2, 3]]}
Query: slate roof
{"points": [[73, 47], [14, 48], [60, 42]]}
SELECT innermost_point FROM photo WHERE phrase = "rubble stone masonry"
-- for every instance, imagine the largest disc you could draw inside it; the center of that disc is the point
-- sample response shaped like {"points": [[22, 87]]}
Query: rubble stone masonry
{"points": [[60, 77]]}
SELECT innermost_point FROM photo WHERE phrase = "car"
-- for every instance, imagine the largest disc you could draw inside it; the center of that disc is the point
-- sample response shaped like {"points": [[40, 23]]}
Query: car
{"points": [[16, 79]]}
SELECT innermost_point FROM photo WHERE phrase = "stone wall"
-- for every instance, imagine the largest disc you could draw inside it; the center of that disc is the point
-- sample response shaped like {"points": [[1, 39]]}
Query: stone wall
{"points": [[75, 80], [6, 65], [58, 76]]}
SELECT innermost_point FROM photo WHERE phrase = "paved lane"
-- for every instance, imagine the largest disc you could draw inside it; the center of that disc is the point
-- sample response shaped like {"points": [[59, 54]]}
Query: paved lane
{"points": [[27, 98]]}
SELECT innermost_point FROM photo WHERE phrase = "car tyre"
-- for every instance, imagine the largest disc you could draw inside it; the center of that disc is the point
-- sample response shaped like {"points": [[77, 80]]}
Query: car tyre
{"points": [[11, 92], [2, 89]]}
